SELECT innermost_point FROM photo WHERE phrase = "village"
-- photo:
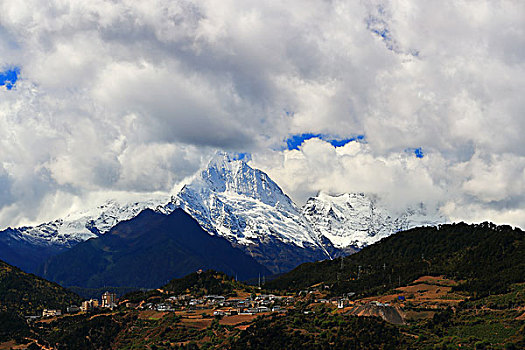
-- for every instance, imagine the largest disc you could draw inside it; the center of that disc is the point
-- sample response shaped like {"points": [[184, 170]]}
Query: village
{"points": [[427, 292], [216, 305]]}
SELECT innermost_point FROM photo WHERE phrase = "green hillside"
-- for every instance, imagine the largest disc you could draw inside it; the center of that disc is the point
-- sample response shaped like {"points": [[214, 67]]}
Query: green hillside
{"points": [[24, 294], [196, 284], [28, 294], [207, 282], [479, 306], [487, 257]]}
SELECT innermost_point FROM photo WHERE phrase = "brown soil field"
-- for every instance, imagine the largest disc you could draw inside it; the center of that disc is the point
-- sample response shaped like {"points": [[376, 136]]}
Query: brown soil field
{"points": [[46, 320], [12, 345], [197, 313], [441, 280], [429, 291], [241, 294], [194, 314], [9, 345], [425, 291], [151, 314], [236, 319], [201, 323]]}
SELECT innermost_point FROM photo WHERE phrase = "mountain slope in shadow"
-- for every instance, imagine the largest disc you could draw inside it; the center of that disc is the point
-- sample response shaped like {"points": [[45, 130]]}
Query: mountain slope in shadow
{"points": [[146, 252]]}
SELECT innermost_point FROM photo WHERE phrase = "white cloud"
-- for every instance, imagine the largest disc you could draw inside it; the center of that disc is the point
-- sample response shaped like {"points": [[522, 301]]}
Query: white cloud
{"points": [[134, 96], [402, 179]]}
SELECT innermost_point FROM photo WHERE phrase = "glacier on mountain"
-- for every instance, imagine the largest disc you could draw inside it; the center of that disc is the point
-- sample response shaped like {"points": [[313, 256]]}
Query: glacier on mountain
{"points": [[232, 200]]}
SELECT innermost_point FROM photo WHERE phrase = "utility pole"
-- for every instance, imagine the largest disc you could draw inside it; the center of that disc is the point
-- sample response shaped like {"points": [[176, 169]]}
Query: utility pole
{"points": [[359, 272], [342, 257], [259, 280]]}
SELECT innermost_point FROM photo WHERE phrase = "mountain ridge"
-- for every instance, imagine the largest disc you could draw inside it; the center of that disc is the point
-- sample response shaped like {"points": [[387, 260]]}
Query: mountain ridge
{"points": [[242, 204], [145, 252]]}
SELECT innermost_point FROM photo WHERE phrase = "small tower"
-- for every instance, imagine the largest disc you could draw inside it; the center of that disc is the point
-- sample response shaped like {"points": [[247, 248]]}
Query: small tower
{"points": [[109, 300]]}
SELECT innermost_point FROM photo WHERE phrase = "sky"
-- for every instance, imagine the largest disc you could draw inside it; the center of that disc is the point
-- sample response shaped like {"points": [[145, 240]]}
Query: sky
{"points": [[417, 101]]}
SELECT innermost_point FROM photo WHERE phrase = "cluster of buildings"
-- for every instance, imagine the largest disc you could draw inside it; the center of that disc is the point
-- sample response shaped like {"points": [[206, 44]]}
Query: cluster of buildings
{"points": [[108, 300], [315, 296], [51, 312], [222, 305], [345, 302]]}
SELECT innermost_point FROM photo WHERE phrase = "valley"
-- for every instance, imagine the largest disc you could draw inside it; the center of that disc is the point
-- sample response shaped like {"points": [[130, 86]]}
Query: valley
{"points": [[440, 299], [424, 314]]}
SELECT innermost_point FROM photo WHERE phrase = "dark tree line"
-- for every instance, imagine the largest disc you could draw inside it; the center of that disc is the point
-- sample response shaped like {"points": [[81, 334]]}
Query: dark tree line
{"points": [[488, 257]]}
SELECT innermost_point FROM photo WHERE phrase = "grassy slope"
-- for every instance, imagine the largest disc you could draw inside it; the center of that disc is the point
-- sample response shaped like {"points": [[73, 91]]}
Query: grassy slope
{"points": [[488, 257], [207, 282]]}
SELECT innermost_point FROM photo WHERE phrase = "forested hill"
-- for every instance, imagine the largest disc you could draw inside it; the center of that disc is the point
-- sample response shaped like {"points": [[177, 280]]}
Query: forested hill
{"points": [[487, 257], [27, 294], [23, 294], [206, 282]]}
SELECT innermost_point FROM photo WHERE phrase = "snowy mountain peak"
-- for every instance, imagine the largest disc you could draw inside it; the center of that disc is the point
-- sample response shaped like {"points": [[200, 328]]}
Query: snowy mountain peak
{"points": [[243, 205], [228, 174], [358, 219]]}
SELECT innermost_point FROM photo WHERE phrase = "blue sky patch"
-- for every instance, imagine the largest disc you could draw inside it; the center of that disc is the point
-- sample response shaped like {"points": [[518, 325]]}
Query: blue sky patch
{"points": [[243, 156], [295, 141], [418, 152], [9, 77]]}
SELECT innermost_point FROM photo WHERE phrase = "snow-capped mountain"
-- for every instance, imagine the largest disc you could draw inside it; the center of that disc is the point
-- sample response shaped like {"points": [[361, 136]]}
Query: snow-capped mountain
{"points": [[83, 225], [232, 200], [357, 219], [243, 205], [29, 246]]}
